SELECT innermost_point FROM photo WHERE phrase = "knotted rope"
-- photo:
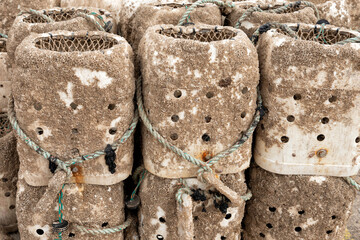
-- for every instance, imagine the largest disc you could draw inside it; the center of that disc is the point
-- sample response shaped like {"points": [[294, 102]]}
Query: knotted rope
{"points": [[282, 9], [204, 167], [200, 2]]}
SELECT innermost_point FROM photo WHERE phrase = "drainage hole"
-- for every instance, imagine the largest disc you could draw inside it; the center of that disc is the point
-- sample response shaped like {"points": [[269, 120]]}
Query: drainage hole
{"points": [[228, 216], [39, 131], [243, 115], [298, 229], [209, 94], [333, 217], [329, 231], [111, 106], [272, 209], [37, 106], [297, 96], [325, 120], [290, 118], [104, 224], [40, 231], [284, 139], [357, 140], [205, 137], [113, 130], [73, 105], [177, 93], [7, 194], [320, 137], [174, 136], [162, 220], [269, 225], [301, 212], [71, 234], [332, 99], [174, 118], [244, 90], [207, 119], [159, 237], [262, 235]]}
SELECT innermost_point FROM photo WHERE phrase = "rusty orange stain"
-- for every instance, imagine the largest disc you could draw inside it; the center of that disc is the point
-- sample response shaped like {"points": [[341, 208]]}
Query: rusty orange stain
{"points": [[78, 175], [205, 156]]}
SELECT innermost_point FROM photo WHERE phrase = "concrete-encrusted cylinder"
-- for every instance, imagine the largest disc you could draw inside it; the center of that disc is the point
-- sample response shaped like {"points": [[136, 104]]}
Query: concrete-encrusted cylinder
{"points": [[199, 89], [64, 19], [74, 95], [310, 87], [296, 14], [148, 15], [5, 85], [297, 207], [158, 211], [9, 166], [91, 206]]}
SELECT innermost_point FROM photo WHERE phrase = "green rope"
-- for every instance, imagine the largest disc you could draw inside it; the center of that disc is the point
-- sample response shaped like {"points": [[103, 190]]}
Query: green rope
{"points": [[61, 208], [349, 40], [279, 10], [353, 183], [321, 32], [200, 2], [202, 165], [139, 181], [3, 35], [285, 28], [105, 230]]}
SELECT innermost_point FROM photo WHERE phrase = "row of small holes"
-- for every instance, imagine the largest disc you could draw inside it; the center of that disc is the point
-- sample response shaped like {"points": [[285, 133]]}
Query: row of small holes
{"points": [[40, 131], [298, 97], [320, 138], [178, 93], [38, 106], [291, 118]]}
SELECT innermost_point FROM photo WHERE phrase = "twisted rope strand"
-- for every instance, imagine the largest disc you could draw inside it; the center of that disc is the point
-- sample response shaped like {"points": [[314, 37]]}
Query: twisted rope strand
{"points": [[106, 230], [353, 183], [349, 40], [200, 2], [2, 35], [91, 19], [284, 27]]}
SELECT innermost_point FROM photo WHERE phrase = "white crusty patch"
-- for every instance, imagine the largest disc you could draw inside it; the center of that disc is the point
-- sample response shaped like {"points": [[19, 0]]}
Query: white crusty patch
{"points": [[233, 211], [247, 25], [213, 53], [318, 179], [309, 222], [88, 77], [279, 42], [162, 229], [46, 229], [67, 97]]}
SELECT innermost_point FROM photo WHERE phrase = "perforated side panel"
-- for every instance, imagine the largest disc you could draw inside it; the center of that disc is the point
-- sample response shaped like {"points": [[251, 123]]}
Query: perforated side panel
{"points": [[72, 44], [204, 35]]}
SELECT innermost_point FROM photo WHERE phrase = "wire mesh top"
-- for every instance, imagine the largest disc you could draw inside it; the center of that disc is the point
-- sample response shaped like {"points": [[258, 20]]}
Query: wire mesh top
{"points": [[5, 126], [321, 35], [56, 15], [2, 45], [202, 35], [62, 43], [175, 5]]}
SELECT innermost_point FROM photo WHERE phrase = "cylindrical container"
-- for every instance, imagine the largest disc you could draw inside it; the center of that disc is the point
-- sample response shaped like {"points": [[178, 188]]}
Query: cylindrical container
{"points": [[113, 6], [74, 96], [213, 216], [310, 87], [148, 15], [64, 19], [5, 85], [91, 206], [199, 90], [128, 9], [9, 166], [297, 207], [9, 9], [300, 13]]}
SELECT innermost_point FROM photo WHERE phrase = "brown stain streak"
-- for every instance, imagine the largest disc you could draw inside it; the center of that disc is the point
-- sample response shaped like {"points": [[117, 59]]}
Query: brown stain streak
{"points": [[78, 176]]}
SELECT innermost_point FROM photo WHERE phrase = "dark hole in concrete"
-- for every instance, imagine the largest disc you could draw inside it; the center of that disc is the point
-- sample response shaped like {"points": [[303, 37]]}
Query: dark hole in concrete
{"points": [[207, 119], [244, 90], [4, 179], [269, 225], [37, 106], [333, 217], [1, 85], [73, 105], [243, 115], [177, 93], [74, 130], [272, 209], [174, 136], [113, 130], [294, 155], [332, 99], [39, 131], [301, 212], [329, 231], [7, 194], [325, 120], [262, 126], [284, 139], [196, 218], [223, 238], [262, 235], [71, 234], [104, 224], [12, 207], [357, 140], [159, 237], [297, 96], [320, 137], [290, 118], [111, 106], [162, 220], [40, 231], [175, 118], [225, 82], [228, 216], [4, 96], [209, 94], [298, 229], [205, 137]]}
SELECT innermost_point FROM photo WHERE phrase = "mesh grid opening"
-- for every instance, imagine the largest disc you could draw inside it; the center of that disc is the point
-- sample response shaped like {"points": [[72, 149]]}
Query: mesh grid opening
{"points": [[203, 35], [328, 36], [5, 126], [2, 45], [57, 16], [175, 5], [75, 43]]}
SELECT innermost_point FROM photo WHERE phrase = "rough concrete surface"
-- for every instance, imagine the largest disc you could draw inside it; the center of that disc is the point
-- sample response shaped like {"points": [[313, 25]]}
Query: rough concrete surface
{"points": [[354, 220]]}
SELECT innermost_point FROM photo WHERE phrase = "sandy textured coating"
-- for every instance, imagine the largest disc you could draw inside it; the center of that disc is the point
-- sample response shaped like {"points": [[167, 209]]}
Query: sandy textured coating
{"points": [[297, 207], [5, 84], [26, 24], [158, 212], [85, 205], [73, 103], [311, 99], [199, 94], [256, 19]]}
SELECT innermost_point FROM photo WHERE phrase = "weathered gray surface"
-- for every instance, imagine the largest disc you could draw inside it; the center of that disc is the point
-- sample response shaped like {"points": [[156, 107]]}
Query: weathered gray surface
{"points": [[354, 220]]}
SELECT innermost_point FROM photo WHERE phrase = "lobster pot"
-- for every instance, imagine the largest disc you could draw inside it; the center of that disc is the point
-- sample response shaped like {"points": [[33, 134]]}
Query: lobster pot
{"points": [[296, 14], [9, 9], [9, 166], [5, 86], [297, 207], [148, 15], [129, 8], [74, 95], [199, 90], [310, 87], [64, 19], [91, 206], [113, 6], [158, 214]]}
